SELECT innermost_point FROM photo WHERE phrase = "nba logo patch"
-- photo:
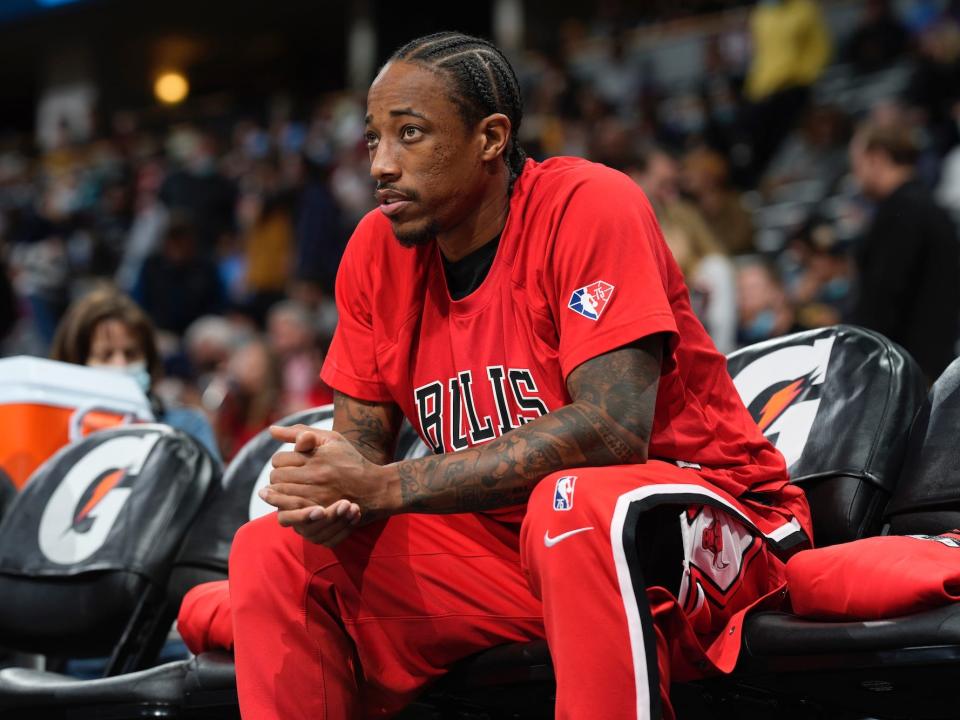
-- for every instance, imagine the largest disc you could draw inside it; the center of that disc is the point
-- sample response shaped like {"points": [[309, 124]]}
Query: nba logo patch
{"points": [[590, 300], [563, 493]]}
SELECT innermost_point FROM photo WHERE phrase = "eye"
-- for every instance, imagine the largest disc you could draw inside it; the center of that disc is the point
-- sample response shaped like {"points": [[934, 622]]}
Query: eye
{"points": [[411, 133], [371, 139]]}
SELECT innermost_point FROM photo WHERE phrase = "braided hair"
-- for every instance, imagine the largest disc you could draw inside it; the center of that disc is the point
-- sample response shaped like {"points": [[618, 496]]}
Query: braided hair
{"points": [[483, 81]]}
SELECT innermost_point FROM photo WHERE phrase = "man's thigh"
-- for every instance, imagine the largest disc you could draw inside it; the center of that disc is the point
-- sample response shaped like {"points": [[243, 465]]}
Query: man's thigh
{"points": [[419, 592]]}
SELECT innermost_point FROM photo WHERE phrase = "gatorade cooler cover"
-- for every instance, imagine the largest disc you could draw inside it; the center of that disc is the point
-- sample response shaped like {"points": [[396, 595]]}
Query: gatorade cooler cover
{"points": [[46, 404]]}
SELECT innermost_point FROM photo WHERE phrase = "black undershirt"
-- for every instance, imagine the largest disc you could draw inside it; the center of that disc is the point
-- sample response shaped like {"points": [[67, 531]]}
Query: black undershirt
{"points": [[466, 274]]}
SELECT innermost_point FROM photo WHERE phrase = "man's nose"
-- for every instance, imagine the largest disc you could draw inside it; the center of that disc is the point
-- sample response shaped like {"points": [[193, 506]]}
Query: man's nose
{"points": [[384, 164]]}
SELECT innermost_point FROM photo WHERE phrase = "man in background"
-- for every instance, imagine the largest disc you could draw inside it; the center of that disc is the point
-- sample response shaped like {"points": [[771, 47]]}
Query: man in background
{"points": [[909, 259]]}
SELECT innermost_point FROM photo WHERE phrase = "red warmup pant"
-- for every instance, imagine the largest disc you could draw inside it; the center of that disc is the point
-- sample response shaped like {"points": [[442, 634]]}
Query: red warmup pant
{"points": [[357, 630]]}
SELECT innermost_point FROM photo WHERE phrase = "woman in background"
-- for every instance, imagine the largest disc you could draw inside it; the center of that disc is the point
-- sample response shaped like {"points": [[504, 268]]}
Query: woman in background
{"points": [[710, 276], [106, 329]]}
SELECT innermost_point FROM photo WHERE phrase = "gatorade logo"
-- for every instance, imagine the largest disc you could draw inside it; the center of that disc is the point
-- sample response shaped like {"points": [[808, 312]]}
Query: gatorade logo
{"points": [[87, 502], [257, 507], [782, 392]]}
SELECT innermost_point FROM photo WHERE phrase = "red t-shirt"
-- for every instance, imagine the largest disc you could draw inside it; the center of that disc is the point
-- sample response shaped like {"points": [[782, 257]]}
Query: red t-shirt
{"points": [[581, 269]]}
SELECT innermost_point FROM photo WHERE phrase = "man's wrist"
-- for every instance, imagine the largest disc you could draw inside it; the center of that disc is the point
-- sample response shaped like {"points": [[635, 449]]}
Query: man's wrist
{"points": [[390, 499]]}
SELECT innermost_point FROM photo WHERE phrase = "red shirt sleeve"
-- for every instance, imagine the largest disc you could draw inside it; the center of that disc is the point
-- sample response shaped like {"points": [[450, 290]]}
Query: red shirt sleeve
{"points": [[608, 279], [351, 363]]}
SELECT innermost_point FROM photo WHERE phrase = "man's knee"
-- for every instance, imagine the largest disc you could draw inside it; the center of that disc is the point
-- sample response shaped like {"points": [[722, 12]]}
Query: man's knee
{"points": [[257, 546]]}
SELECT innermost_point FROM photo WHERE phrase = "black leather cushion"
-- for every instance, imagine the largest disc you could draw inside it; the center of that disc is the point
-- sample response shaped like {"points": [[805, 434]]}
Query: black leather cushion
{"points": [[206, 548], [779, 634], [7, 492], [23, 688], [99, 524], [927, 498], [838, 403]]}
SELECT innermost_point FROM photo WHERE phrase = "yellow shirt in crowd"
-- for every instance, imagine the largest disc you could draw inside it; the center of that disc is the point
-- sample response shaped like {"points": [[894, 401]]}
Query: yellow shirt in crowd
{"points": [[791, 46]]}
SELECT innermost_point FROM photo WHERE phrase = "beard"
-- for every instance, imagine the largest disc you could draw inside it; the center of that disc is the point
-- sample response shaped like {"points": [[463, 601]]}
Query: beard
{"points": [[415, 237]]}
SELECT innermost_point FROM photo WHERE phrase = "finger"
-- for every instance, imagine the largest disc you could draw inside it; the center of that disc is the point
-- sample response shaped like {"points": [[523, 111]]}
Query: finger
{"points": [[288, 502], [294, 518], [306, 442], [325, 533], [316, 495], [304, 475], [339, 537], [283, 501], [344, 509], [288, 459], [287, 434]]}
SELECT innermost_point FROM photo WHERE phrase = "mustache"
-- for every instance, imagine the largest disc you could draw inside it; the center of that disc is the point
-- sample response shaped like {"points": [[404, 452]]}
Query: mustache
{"points": [[409, 194]]}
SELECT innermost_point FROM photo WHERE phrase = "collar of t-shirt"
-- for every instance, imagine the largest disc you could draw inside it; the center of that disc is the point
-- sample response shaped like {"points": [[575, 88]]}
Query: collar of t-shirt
{"points": [[466, 274]]}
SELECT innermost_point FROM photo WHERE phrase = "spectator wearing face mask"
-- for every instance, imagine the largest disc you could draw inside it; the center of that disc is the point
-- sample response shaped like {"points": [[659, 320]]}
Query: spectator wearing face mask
{"points": [[107, 329], [763, 306]]}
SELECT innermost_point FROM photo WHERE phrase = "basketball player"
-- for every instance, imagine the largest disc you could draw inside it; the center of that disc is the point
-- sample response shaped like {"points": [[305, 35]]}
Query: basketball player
{"points": [[596, 479]]}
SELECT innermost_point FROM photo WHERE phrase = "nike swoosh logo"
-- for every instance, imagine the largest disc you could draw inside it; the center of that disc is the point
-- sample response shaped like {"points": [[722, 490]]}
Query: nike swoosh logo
{"points": [[551, 541]]}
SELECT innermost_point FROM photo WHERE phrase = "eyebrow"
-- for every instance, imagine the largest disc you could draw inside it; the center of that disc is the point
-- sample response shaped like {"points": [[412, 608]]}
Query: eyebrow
{"points": [[398, 113]]}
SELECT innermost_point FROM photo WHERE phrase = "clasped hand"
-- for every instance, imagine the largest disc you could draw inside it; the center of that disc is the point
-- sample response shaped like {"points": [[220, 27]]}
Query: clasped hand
{"points": [[323, 487]]}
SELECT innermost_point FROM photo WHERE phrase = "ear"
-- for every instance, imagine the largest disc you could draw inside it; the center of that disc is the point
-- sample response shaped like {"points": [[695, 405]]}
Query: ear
{"points": [[495, 131]]}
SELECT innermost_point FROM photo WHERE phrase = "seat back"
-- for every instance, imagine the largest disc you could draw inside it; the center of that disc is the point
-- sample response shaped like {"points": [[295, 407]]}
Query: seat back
{"points": [[7, 492], [837, 402], [206, 551], [87, 546], [927, 497]]}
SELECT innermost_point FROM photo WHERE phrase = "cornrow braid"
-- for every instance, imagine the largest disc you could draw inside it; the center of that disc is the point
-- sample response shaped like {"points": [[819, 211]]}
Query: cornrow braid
{"points": [[483, 79]]}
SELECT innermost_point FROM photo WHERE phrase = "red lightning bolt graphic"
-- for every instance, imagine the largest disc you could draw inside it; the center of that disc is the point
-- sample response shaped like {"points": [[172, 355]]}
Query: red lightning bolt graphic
{"points": [[779, 402], [108, 483]]}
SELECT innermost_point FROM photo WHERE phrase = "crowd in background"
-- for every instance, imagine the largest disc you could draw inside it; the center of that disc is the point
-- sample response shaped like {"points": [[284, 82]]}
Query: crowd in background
{"points": [[228, 231]]}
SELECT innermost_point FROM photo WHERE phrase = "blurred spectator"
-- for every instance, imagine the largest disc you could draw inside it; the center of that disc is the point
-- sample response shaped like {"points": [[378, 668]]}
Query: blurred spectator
{"points": [[706, 179], [818, 278], [791, 47], [8, 301], [178, 284], [197, 189], [948, 191], [764, 309], [320, 234], [266, 217], [252, 399], [40, 265], [879, 39], [935, 85], [815, 153], [107, 329], [293, 339], [909, 260], [710, 277], [146, 232], [617, 77]]}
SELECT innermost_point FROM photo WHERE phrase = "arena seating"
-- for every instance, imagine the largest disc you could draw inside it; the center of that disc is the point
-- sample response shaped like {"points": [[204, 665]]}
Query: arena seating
{"points": [[903, 667], [85, 555], [839, 403]]}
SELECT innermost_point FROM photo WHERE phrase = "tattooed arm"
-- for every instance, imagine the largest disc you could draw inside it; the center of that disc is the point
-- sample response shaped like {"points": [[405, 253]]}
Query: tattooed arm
{"points": [[335, 477], [608, 423], [371, 427]]}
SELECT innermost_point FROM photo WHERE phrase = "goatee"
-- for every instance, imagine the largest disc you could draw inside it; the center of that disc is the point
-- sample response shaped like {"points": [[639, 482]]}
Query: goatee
{"points": [[417, 236]]}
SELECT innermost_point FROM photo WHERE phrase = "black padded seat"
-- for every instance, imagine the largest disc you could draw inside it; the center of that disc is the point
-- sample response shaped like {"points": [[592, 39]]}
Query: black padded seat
{"points": [[155, 692], [837, 402], [898, 667], [769, 637], [927, 500]]}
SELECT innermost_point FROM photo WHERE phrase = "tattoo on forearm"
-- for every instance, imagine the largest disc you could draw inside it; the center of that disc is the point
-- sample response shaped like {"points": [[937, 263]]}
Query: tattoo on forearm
{"points": [[371, 427], [608, 423]]}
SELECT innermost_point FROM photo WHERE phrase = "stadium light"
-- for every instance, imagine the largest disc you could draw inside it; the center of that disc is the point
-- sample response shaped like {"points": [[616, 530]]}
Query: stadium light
{"points": [[171, 88]]}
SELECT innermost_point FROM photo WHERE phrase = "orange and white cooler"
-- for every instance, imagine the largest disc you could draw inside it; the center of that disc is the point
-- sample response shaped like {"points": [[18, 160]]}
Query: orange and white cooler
{"points": [[45, 404]]}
